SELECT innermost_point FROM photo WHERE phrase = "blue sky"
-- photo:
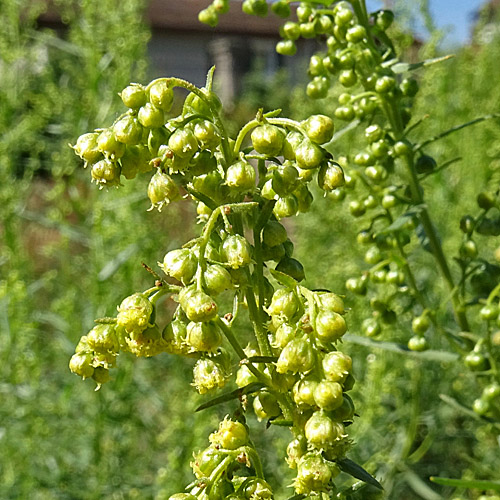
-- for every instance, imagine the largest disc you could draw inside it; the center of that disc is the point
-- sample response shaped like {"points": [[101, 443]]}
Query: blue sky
{"points": [[452, 15]]}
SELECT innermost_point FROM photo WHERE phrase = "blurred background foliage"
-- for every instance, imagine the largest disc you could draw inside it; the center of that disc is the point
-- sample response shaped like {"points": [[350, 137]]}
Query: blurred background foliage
{"points": [[69, 254]]}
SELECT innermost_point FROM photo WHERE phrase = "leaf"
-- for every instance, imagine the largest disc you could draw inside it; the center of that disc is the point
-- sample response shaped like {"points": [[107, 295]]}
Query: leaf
{"points": [[423, 238], [401, 67], [430, 355], [456, 128], [262, 359], [355, 470], [283, 278], [467, 483], [400, 222], [236, 394]]}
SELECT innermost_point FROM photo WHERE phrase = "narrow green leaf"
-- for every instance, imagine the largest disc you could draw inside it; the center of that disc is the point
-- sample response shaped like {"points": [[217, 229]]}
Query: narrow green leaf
{"points": [[236, 394], [477, 484], [401, 67], [400, 222], [420, 487], [456, 128], [283, 278], [430, 355], [355, 470], [281, 423]]}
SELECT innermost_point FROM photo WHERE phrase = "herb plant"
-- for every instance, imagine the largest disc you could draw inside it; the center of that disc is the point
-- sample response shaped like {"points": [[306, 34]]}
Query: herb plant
{"points": [[237, 287]]}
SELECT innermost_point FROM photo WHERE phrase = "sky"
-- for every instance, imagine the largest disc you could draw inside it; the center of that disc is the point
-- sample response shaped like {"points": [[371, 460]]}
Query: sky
{"points": [[454, 16]]}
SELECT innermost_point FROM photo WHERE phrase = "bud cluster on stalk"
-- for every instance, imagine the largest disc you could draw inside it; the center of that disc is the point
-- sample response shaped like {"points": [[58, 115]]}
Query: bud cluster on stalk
{"points": [[243, 188]]}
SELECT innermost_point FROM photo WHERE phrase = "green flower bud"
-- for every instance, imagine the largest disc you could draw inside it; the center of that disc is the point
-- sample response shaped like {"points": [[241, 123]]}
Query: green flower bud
{"points": [[209, 374], [206, 134], [150, 116], [257, 489], [134, 313], [265, 406], [217, 279], [319, 128], [128, 130], [162, 190], [236, 251], [274, 233], [330, 176], [314, 474], [255, 8], [241, 176], [337, 366], [230, 436], [197, 305], [285, 179], [417, 343], [330, 326], [86, 147], [286, 206], [206, 461], [291, 143], [331, 301], [303, 392], [174, 336], [81, 364], [161, 95], [134, 96], [146, 343], [328, 395], [281, 8], [284, 304], [245, 377], [321, 431], [102, 338], [180, 264], [297, 356], [295, 450], [183, 143], [203, 336], [304, 197], [284, 334], [209, 16], [109, 145], [210, 185], [268, 139], [309, 155]]}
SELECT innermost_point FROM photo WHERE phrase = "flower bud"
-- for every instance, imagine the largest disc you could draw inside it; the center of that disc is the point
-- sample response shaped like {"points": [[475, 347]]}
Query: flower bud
{"points": [[284, 304], [86, 147], [180, 264], [109, 145], [203, 337], [286, 206], [303, 392], [337, 366], [319, 128], [285, 179], [330, 326], [328, 395], [128, 130], [265, 406], [174, 336], [314, 474], [284, 334], [102, 338], [297, 356], [206, 461], [241, 176], [330, 176], [134, 313], [161, 95], [100, 375], [81, 364], [206, 134], [309, 155], [332, 301], [106, 172], [295, 450], [150, 116], [274, 233], [268, 139], [183, 143], [291, 143], [134, 96], [208, 374], [256, 488], [322, 432], [162, 190], [236, 251], [231, 435], [217, 279]]}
